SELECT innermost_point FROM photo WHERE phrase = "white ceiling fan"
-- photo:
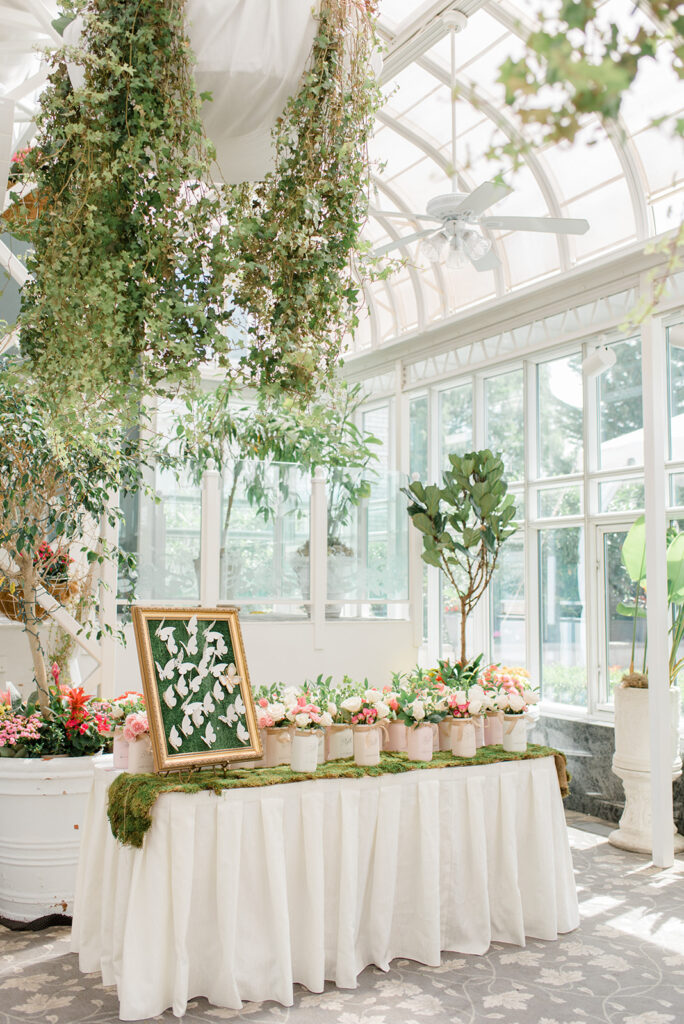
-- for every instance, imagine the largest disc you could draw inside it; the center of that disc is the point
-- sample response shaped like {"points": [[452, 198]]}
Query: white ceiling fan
{"points": [[459, 215]]}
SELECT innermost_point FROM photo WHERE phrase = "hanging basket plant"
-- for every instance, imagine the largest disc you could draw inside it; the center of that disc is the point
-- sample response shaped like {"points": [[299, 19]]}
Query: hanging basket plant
{"points": [[142, 269]]}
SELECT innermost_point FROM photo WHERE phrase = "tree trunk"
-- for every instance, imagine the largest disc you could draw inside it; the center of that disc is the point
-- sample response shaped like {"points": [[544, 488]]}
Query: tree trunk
{"points": [[29, 584], [463, 631]]}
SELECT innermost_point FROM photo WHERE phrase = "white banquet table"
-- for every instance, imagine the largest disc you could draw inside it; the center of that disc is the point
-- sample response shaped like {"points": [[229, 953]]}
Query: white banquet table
{"points": [[239, 896]]}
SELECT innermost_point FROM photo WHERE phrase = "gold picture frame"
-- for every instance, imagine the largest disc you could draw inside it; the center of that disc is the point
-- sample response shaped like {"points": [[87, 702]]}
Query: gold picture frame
{"points": [[193, 667]]}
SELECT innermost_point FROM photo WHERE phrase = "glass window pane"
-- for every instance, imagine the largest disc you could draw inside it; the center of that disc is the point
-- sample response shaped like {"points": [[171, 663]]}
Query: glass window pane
{"points": [[264, 546], [418, 437], [620, 630], [560, 405], [553, 502], [621, 495], [562, 616], [675, 349], [677, 488], [377, 422], [455, 421], [507, 603], [505, 431], [621, 434]]}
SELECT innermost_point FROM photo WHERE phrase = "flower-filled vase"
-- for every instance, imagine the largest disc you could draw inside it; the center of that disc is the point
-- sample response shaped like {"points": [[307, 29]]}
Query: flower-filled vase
{"points": [[514, 734], [340, 741], [445, 733], [493, 729], [421, 742], [304, 750], [120, 748], [478, 724], [463, 742], [396, 737], [278, 743], [140, 757], [367, 745]]}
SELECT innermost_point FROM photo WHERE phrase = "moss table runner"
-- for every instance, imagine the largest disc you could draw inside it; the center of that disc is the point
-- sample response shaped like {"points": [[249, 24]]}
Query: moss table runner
{"points": [[131, 797]]}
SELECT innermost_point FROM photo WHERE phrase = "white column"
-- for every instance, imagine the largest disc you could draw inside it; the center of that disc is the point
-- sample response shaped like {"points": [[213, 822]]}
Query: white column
{"points": [[107, 606], [318, 556], [655, 411], [210, 559]]}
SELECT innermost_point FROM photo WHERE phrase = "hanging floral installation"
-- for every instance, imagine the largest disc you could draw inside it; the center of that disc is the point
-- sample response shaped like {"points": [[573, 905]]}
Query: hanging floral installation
{"points": [[143, 268]]}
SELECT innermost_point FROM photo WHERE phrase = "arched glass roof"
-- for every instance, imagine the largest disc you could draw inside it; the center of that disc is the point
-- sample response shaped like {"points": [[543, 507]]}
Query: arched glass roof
{"points": [[627, 180]]}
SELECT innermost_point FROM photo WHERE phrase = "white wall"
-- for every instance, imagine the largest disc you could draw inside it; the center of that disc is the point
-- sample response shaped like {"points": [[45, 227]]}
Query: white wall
{"points": [[15, 657]]}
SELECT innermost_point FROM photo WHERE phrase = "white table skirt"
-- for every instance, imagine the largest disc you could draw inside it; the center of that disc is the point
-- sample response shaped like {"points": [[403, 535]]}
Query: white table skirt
{"points": [[237, 897]]}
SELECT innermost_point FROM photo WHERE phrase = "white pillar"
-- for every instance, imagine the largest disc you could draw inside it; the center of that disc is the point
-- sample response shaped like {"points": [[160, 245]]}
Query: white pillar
{"points": [[318, 556], [655, 411], [109, 581], [210, 559]]}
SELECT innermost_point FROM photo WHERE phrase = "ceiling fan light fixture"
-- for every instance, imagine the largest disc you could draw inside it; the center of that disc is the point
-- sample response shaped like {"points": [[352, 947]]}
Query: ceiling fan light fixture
{"points": [[432, 248], [456, 257], [476, 245]]}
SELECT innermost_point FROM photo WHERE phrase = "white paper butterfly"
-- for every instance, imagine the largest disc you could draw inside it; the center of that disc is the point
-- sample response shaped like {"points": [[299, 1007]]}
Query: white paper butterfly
{"points": [[242, 733], [187, 728], [174, 738], [230, 716], [170, 697], [166, 635], [209, 736]]}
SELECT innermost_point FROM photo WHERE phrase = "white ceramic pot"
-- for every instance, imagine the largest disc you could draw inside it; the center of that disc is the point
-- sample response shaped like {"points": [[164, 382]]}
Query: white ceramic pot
{"points": [[120, 748], [340, 741], [277, 749], [140, 756], [367, 745], [463, 737], [445, 733], [421, 742], [632, 764], [493, 729], [396, 737], [514, 734], [42, 806], [304, 751]]}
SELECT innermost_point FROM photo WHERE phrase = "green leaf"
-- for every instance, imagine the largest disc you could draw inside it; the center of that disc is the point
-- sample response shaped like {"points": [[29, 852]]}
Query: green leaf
{"points": [[634, 551]]}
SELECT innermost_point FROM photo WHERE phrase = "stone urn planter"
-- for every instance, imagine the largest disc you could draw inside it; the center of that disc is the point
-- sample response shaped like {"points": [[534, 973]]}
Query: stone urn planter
{"points": [[42, 806], [632, 764]]}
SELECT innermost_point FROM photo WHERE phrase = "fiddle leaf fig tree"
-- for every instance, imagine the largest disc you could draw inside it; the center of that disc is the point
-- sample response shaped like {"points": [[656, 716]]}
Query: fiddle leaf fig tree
{"points": [[464, 523]]}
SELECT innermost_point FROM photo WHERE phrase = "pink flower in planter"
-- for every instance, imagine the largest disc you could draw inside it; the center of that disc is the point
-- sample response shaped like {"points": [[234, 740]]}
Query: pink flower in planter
{"points": [[135, 725]]}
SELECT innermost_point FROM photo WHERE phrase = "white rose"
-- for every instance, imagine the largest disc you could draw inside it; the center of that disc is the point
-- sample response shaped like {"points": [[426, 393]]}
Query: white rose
{"points": [[460, 696], [476, 692], [382, 709], [325, 719], [302, 721], [351, 704], [516, 702], [501, 701], [332, 708], [474, 707], [418, 710], [531, 696], [276, 711], [373, 696], [116, 713], [290, 695]]}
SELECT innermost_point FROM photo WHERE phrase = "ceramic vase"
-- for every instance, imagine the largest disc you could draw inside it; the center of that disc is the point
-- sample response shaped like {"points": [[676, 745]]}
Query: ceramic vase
{"points": [[493, 729], [445, 733], [421, 742], [396, 737], [120, 749], [434, 727], [340, 741], [463, 738], [278, 742], [320, 750], [140, 757], [514, 734], [478, 725], [366, 745], [304, 750]]}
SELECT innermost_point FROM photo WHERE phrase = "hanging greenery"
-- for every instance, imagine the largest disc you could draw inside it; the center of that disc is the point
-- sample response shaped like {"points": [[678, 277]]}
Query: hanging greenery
{"points": [[141, 267]]}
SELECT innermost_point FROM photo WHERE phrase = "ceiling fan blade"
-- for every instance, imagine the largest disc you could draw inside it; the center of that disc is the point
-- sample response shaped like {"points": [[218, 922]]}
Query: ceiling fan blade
{"points": [[489, 262], [483, 197], [557, 225], [398, 242], [404, 216]]}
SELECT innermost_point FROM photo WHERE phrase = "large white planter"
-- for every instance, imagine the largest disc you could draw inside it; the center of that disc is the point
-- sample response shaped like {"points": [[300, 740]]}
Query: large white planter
{"points": [[42, 806], [632, 764]]}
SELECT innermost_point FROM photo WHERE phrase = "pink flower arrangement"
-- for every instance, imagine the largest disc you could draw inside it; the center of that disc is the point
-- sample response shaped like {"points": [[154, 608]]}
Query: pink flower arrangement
{"points": [[458, 704], [510, 688], [135, 725], [14, 729]]}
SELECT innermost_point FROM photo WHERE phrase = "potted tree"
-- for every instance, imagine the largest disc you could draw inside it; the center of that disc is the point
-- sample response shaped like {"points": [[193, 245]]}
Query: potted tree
{"points": [[632, 757], [464, 523], [52, 495]]}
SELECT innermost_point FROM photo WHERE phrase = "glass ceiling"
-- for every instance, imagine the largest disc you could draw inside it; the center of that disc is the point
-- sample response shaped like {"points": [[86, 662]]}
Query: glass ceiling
{"points": [[627, 181]]}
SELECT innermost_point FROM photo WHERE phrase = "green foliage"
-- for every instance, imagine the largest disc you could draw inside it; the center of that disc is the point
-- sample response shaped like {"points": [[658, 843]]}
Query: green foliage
{"points": [[464, 523], [142, 268]]}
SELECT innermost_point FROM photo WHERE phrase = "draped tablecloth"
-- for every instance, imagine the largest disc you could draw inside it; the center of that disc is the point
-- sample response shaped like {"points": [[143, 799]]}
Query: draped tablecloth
{"points": [[237, 897]]}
